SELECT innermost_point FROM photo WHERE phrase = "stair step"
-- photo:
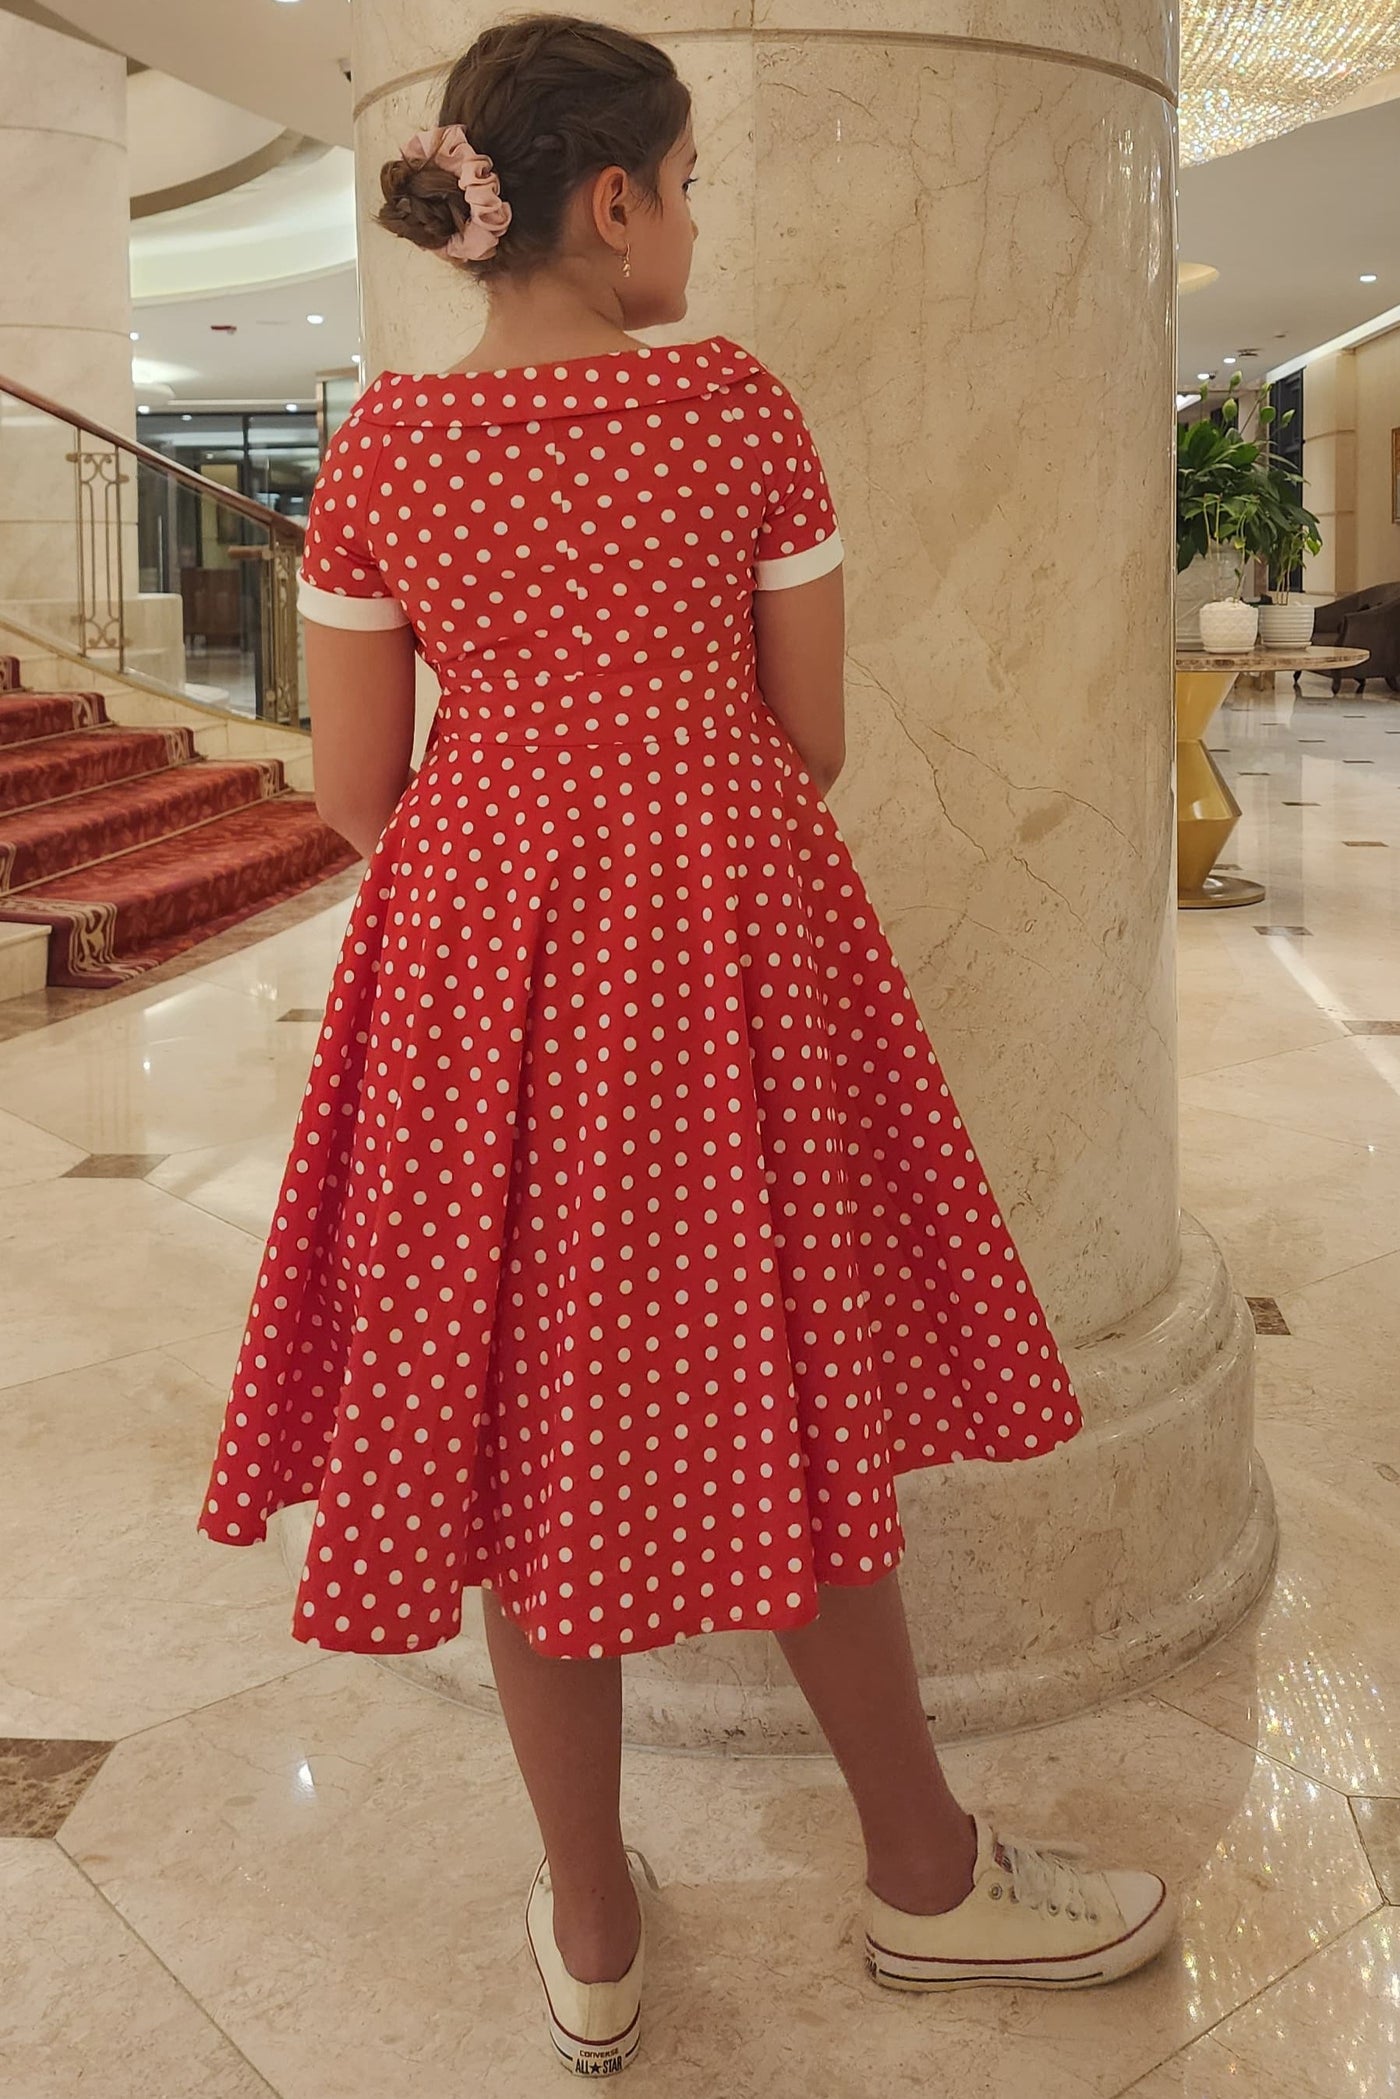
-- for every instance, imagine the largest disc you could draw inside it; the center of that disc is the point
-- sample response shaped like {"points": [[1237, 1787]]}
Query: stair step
{"points": [[26, 717], [143, 906], [61, 837], [24, 956], [63, 765]]}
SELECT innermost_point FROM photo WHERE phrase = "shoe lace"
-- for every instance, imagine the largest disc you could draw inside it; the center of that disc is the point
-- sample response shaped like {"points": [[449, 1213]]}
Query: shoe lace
{"points": [[1044, 1877], [642, 1860]]}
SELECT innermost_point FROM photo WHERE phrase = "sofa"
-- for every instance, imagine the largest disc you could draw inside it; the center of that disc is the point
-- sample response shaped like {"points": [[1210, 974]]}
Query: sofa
{"points": [[1364, 619]]}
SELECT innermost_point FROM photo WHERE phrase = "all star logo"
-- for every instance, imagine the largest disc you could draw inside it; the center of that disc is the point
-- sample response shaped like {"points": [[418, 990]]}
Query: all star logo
{"points": [[598, 2065]]}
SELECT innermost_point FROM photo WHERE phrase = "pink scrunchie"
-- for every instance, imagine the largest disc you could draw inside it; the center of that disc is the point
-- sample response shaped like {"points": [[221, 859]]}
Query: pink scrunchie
{"points": [[448, 147]]}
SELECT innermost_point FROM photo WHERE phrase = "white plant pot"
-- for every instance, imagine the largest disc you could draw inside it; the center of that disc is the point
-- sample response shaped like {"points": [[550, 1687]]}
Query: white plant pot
{"points": [[1287, 626], [1228, 623]]}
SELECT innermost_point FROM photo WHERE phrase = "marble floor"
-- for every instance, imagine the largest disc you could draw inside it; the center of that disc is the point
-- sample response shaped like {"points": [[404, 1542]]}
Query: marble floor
{"points": [[232, 1866]]}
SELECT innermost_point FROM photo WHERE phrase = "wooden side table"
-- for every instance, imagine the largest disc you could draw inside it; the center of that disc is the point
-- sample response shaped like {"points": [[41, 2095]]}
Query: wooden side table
{"points": [[1206, 811]]}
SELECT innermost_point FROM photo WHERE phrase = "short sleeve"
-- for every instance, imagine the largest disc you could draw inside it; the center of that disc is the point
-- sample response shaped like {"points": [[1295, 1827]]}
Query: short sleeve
{"points": [[341, 583], [798, 539]]}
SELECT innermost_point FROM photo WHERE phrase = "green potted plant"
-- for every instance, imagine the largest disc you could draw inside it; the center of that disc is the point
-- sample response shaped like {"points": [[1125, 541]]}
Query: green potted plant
{"points": [[1290, 532], [1223, 499]]}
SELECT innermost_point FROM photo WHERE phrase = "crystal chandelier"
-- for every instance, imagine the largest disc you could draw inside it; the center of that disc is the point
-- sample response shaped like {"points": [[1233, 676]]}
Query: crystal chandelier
{"points": [[1252, 69]]}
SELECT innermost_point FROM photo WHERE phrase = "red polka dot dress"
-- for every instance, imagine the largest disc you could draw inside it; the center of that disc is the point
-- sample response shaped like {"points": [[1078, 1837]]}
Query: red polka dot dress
{"points": [[630, 1244]]}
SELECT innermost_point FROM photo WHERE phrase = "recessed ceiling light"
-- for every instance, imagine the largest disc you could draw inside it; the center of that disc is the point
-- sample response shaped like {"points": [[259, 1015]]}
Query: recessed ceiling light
{"points": [[316, 319], [1203, 375], [292, 408], [187, 419], [1229, 360], [134, 336], [1369, 277], [143, 409]]}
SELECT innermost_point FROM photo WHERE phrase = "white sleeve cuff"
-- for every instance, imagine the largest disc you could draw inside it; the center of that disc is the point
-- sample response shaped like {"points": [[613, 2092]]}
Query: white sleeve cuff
{"points": [[331, 608], [788, 569]]}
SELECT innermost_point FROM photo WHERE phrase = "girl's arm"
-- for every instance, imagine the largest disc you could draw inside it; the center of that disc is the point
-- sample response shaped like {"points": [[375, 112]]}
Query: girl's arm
{"points": [[359, 687], [800, 635]]}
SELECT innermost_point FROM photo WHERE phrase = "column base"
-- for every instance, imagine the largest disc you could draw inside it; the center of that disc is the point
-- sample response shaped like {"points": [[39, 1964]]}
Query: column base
{"points": [[1035, 1590]]}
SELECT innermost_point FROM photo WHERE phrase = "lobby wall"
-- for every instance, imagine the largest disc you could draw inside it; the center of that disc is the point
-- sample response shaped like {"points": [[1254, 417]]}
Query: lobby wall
{"points": [[1377, 414]]}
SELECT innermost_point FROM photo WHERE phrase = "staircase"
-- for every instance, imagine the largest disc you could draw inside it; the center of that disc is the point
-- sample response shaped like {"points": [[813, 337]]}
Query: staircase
{"points": [[121, 847]]}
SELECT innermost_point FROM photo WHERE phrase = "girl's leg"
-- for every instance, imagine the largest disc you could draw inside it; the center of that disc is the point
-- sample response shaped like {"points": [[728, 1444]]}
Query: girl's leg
{"points": [[855, 1667], [565, 1725]]}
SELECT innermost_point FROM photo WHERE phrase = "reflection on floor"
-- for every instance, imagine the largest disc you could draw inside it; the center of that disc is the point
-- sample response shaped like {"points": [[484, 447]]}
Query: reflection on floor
{"points": [[232, 1866]]}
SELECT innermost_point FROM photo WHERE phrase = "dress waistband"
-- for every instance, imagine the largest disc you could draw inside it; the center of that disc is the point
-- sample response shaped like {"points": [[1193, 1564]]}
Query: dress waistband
{"points": [[496, 705]]}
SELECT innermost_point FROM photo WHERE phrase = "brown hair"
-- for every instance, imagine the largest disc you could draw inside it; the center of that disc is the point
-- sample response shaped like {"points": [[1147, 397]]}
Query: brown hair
{"points": [[551, 99]]}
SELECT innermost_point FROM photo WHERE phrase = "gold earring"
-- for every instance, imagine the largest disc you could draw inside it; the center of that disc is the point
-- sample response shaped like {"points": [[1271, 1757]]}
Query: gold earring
{"points": [[627, 260]]}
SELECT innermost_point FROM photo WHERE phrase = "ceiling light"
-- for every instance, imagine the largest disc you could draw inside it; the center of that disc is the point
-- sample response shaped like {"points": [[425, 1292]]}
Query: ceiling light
{"points": [[143, 409], [1230, 360], [134, 336], [1203, 375], [1238, 87], [316, 319], [1369, 277], [292, 408]]}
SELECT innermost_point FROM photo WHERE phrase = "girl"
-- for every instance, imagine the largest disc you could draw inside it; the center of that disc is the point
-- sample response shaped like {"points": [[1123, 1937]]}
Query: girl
{"points": [[630, 1244]]}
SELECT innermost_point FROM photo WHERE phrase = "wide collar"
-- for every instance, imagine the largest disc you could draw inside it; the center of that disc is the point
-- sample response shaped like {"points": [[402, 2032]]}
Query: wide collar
{"points": [[578, 386]]}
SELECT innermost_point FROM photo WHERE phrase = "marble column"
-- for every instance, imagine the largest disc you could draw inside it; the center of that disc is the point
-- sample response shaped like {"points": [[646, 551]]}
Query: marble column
{"points": [[65, 301], [951, 230]]}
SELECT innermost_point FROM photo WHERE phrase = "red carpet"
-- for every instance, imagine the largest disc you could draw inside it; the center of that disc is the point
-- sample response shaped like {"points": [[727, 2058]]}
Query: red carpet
{"points": [[129, 846]]}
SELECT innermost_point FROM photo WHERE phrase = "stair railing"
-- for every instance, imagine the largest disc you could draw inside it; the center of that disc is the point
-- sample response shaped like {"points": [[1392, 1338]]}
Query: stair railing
{"points": [[131, 559]]}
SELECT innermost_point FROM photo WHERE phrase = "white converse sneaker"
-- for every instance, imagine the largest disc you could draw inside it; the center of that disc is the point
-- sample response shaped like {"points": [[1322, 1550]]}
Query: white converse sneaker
{"points": [[1036, 1918], [595, 2026]]}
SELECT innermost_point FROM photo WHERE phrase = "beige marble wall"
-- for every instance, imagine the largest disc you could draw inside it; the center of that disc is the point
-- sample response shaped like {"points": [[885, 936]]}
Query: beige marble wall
{"points": [[951, 230], [65, 302], [1329, 463]]}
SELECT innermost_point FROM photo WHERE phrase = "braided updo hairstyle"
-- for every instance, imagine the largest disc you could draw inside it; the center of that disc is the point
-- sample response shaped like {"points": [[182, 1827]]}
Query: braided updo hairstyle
{"points": [[551, 99]]}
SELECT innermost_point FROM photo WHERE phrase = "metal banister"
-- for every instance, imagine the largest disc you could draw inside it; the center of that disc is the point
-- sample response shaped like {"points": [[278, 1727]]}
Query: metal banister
{"points": [[271, 520], [115, 516]]}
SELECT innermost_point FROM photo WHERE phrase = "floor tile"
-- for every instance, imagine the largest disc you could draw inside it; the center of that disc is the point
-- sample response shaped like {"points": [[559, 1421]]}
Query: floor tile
{"points": [[324, 1806], [190, 1065], [115, 1166], [1379, 1824], [113, 1667], [212, 1356], [42, 1780], [1205, 2070], [1348, 1090], [291, 971], [95, 1269], [1313, 1674], [238, 1182], [1331, 2030], [1287, 1206], [1223, 1022], [118, 1612], [102, 1479], [31, 1154], [87, 2008]]}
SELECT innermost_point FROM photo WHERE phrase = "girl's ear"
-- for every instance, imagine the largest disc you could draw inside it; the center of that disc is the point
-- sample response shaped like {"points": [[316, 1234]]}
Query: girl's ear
{"points": [[610, 191]]}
